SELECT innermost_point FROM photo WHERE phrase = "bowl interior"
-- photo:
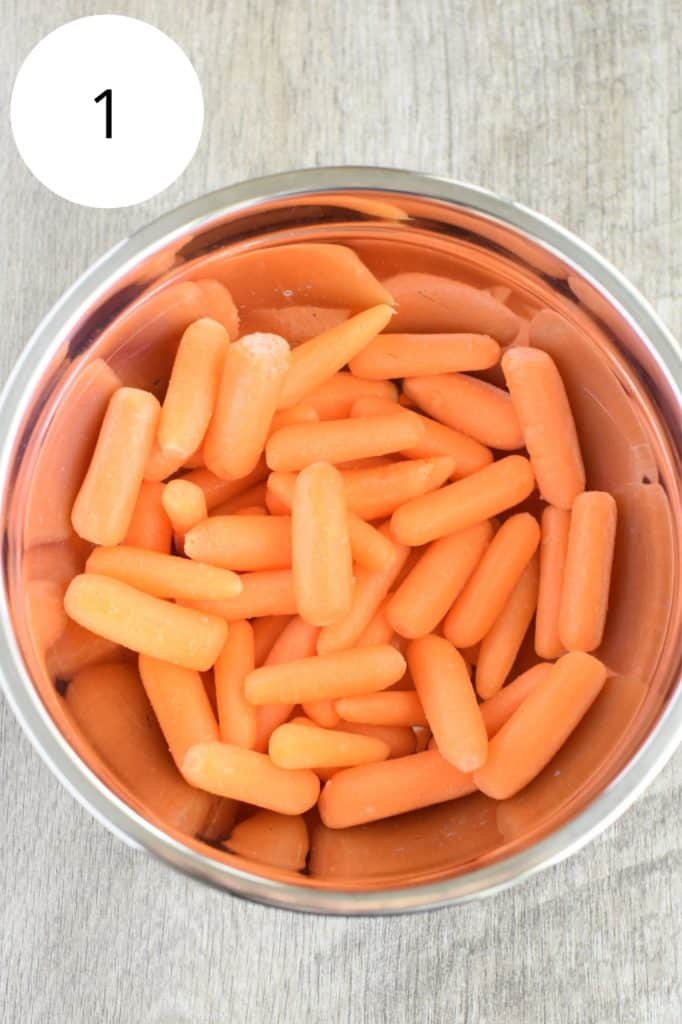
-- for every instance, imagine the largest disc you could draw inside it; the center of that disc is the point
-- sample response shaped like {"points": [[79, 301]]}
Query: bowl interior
{"points": [[127, 331]]}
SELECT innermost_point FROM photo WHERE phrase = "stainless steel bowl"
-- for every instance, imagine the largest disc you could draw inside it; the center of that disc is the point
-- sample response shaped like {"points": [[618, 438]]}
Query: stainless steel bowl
{"points": [[491, 239]]}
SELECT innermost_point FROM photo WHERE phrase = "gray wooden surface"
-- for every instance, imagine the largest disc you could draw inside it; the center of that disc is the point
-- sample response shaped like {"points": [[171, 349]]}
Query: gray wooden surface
{"points": [[572, 107]]}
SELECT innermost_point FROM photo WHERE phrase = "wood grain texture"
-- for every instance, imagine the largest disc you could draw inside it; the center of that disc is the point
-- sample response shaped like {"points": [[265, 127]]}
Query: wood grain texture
{"points": [[574, 108]]}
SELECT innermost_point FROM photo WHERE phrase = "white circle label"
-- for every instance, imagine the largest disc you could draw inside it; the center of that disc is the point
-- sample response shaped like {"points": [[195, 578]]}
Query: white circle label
{"points": [[107, 111]]}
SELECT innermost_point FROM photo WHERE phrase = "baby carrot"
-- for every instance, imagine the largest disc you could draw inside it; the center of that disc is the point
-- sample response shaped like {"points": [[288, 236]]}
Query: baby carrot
{"points": [[315, 361], [217, 491], [184, 504], [540, 725], [502, 706], [328, 676], [253, 374], [427, 302], [236, 718], [254, 497], [373, 791], [106, 500], [377, 492], [240, 542], [378, 630], [476, 408], [338, 441], [442, 683], [322, 713], [217, 303], [401, 739], [45, 605], [539, 398], [490, 586], [143, 623], [150, 526], [296, 414], [265, 633], [500, 646], [270, 592], [192, 389], [321, 553], [370, 590], [430, 588], [297, 640], [249, 776], [333, 399], [415, 355], [587, 574], [295, 746], [280, 840], [180, 704], [554, 528], [164, 575], [160, 464], [395, 707]]}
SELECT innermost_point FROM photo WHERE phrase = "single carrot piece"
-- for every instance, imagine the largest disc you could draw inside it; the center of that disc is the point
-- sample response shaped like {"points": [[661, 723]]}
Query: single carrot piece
{"points": [[217, 491], [498, 709], [297, 640], [370, 591], [104, 507], [554, 527], [489, 588], [184, 504], [540, 725], [337, 441], [377, 492], [249, 776], [77, 649], [464, 503], [45, 607], [279, 840], [394, 707], [192, 389], [242, 543], [429, 590], [315, 361], [296, 414], [143, 623], [427, 302], [150, 526], [327, 676], [373, 791], [444, 688], [437, 439], [401, 739], [322, 713], [295, 746], [539, 398], [217, 304], [270, 592], [254, 372], [501, 645], [587, 573], [180, 704], [164, 575], [414, 355], [236, 718], [378, 630], [321, 552], [476, 408], [265, 633], [333, 399]]}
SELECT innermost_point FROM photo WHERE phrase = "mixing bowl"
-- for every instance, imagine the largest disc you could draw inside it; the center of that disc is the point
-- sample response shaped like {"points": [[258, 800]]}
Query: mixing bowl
{"points": [[622, 372]]}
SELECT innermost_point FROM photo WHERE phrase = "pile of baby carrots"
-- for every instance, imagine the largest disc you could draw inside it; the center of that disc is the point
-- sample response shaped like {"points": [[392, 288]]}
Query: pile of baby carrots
{"points": [[323, 556]]}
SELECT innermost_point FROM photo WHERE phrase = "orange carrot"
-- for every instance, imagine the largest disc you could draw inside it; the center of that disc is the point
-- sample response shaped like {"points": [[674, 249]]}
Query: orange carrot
{"points": [[539, 398], [500, 646], [478, 409], [295, 746], [45, 606], [297, 640], [143, 623], [59, 562], [429, 590], [249, 776], [280, 840], [263, 593], [428, 303], [401, 739], [217, 491], [378, 630], [322, 713], [315, 361], [164, 575], [253, 375], [464, 503], [296, 414], [184, 504], [338, 441], [540, 725], [221, 820], [414, 355], [243, 543], [554, 528], [180, 704], [490, 586], [251, 498], [443, 686], [587, 574], [236, 718], [265, 633], [106, 501], [77, 649], [333, 399], [217, 303], [373, 791], [394, 707], [322, 562], [377, 492], [150, 526], [343, 673], [502, 706]]}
